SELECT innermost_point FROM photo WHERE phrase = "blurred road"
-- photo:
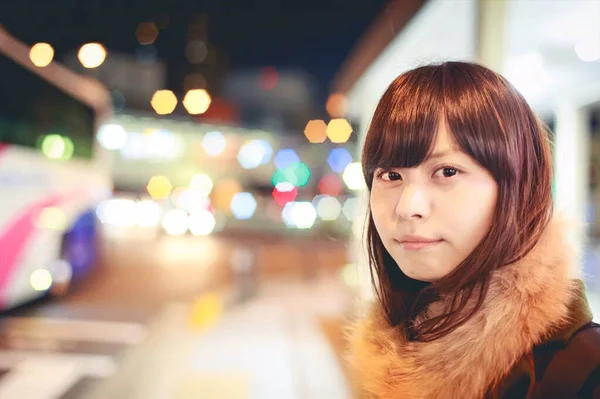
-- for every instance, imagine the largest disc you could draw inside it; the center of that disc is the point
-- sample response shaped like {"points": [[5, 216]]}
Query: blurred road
{"points": [[185, 317]]}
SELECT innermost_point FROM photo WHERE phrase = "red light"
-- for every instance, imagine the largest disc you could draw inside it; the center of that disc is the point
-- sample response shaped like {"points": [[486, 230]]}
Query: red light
{"points": [[283, 197], [268, 78], [330, 185]]}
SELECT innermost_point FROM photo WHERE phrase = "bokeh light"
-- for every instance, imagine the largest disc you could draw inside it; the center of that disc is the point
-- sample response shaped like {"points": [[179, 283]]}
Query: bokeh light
{"points": [[329, 208], [120, 212], [338, 159], [163, 102], [331, 185], [41, 54], [316, 131], [196, 101], [301, 215], [57, 147], [224, 192], [146, 33], [149, 213], [40, 280], [243, 206], [176, 222], [285, 157], [112, 136], [192, 200], [336, 105], [202, 222], [254, 153], [297, 174], [350, 208], [214, 143], [353, 176], [91, 55], [339, 130], [159, 187], [268, 78], [196, 51], [284, 192], [202, 183], [52, 218]]}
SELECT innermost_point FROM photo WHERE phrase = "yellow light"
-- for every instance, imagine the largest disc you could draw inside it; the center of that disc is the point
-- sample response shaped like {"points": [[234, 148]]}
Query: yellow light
{"points": [[164, 102], [224, 192], [159, 187], [205, 311], [41, 54], [40, 280], [339, 130], [92, 55], [197, 101], [202, 183], [52, 218], [146, 33], [316, 131], [336, 105]]}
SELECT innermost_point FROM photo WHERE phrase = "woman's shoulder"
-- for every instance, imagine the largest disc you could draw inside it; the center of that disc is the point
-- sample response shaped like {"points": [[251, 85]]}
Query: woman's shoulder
{"points": [[570, 368]]}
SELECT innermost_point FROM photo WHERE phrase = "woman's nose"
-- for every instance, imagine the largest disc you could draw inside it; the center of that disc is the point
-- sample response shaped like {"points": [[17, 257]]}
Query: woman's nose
{"points": [[413, 203]]}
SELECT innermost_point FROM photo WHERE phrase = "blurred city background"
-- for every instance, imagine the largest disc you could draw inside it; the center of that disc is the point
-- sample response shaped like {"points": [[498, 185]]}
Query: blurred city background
{"points": [[181, 198]]}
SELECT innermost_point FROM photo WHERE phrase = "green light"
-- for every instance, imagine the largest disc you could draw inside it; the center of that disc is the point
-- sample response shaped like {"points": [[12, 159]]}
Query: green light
{"points": [[301, 173], [296, 174], [55, 146]]}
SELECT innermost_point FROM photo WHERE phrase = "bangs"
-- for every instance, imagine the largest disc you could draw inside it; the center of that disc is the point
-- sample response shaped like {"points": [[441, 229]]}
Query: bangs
{"points": [[402, 132]]}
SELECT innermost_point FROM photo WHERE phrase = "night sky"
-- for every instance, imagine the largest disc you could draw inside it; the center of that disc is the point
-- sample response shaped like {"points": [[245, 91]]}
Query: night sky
{"points": [[311, 35]]}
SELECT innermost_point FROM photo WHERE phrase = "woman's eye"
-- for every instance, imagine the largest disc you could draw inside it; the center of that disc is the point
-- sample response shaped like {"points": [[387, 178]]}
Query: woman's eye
{"points": [[446, 171], [390, 176]]}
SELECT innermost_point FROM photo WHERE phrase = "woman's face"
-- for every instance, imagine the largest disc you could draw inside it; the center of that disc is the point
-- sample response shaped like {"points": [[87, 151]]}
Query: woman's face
{"points": [[431, 217]]}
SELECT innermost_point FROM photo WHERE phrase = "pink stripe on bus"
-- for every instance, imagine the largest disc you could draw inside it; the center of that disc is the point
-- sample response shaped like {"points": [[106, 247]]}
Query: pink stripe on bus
{"points": [[14, 239]]}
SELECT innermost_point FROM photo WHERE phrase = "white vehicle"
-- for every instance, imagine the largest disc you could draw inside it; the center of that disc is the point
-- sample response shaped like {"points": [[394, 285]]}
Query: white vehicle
{"points": [[52, 174]]}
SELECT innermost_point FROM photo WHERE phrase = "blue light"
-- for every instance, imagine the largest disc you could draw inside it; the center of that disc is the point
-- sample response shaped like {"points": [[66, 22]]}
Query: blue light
{"points": [[338, 159], [243, 206], [285, 158]]}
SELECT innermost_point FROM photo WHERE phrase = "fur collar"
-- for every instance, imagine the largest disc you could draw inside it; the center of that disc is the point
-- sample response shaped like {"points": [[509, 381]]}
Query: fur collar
{"points": [[527, 302]]}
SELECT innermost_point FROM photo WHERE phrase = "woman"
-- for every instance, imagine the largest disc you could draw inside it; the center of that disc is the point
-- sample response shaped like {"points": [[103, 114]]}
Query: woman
{"points": [[477, 294]]}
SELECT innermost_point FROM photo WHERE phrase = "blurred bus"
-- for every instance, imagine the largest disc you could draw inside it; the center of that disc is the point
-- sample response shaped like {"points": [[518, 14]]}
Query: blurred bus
{"points": [[52, 174]]}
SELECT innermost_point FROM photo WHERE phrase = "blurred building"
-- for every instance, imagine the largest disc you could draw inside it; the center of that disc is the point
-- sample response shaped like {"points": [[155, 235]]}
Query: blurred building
{"points": [[550, 51], [268, 98]]}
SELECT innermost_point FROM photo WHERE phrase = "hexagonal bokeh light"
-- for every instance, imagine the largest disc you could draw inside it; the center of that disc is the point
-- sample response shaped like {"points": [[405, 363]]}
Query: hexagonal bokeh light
{"points": [[329, 208], [339, 130], [41, 54], [353, 176], [284, 192], [301, 215], [202, 222], [202, 183], [243, 205], [298, 174], [350, 208], [163, 102], [214, 143], [316, 131], [159, 187], [285, 158], [338, 159], [254, 153], [197, 101]]}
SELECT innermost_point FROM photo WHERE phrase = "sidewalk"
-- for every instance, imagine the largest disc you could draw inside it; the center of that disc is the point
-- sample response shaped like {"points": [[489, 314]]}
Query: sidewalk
{"points": [[272, 346]]}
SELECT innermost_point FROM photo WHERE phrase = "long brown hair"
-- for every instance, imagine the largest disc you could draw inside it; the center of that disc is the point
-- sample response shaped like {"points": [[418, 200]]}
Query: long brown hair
{"points": [[491, 122]]}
